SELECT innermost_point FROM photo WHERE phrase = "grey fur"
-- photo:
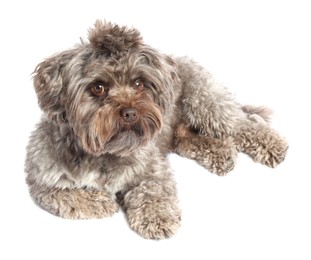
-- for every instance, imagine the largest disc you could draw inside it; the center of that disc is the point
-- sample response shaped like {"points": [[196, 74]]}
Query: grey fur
{"points": [[84, 158]]}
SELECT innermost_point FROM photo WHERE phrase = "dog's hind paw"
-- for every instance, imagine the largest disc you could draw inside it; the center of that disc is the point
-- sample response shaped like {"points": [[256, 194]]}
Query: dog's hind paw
{"points": [[263, 144], [272, 155], [216, 155]]}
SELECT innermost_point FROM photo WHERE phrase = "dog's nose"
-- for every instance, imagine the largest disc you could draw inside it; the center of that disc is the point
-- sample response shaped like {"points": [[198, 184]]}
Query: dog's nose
{"points": [[129, 114]]}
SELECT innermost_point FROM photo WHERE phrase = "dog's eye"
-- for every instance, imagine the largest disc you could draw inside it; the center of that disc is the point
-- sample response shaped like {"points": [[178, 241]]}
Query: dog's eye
{"points": [[138, 85], [99, 89]]}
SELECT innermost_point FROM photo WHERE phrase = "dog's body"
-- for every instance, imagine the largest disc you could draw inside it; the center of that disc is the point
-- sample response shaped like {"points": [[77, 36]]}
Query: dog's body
{"points": [[114, 108]]}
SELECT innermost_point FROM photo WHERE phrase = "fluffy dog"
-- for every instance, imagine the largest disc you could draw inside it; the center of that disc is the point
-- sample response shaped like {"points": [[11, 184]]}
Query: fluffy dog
{"points": [[113, 108]]}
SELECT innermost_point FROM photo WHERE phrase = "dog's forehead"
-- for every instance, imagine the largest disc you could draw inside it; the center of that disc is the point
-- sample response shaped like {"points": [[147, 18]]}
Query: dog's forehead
{"points": [[126, 65]]}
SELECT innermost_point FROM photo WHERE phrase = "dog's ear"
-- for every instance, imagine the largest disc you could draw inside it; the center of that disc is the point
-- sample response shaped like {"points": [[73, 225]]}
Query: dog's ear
{"points": [[161, 70], [112, 39], [49, 82]]}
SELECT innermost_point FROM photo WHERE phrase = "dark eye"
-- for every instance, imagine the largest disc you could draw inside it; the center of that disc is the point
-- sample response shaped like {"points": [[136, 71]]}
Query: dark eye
{"points": [[139, 85], [99, 89]]}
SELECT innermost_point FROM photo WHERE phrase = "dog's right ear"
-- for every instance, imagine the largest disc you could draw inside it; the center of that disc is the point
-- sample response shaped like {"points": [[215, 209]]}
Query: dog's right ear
{"points": [[49, 82]]}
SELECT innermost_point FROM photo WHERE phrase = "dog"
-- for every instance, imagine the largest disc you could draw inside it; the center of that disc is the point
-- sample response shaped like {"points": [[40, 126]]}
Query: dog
{"points": [[114, 107]]}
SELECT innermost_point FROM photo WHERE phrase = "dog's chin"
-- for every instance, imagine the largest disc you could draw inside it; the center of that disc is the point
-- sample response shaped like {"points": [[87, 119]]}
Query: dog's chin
{"points": [[127, 141]]}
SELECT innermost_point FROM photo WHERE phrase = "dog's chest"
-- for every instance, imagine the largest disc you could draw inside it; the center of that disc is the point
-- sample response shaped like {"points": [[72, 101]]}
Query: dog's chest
{"points": [[105, 172], [118, 174]]}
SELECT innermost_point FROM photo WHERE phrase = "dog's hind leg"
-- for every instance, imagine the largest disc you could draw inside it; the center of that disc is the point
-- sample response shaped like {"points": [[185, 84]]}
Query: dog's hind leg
{"points": [[255, 138], [215, 126], [211, 118]]}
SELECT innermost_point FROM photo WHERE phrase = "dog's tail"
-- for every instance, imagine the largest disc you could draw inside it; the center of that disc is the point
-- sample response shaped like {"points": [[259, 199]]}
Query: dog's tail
{"points": [[258, 114]]}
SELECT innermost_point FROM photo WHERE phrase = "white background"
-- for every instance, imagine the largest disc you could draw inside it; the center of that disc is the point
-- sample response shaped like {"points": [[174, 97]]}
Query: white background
{"points": [[259, 49]]}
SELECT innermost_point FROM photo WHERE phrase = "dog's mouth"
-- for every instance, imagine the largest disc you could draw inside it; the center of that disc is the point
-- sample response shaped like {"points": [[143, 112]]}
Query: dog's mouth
{"points": [[126, 140], [129, 130]]}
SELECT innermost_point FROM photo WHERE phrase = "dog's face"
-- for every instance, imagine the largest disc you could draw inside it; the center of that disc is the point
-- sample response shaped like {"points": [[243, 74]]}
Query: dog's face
{"points": [[113, 91]]}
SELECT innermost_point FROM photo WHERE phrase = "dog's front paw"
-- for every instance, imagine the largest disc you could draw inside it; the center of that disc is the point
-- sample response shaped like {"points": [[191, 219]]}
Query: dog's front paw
{"points": [[77, 203], [157, 220], [219, 161]]}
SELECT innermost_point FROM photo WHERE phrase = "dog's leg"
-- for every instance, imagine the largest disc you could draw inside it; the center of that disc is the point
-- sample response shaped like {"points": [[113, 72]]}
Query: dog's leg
{"points": [[216, 155], [209, 109], [262, 143], [74, 203], [151, 209], [151, 205], [211, 116]]}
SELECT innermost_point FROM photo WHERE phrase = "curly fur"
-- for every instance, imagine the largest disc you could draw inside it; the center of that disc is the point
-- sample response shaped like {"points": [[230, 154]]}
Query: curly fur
{"points": [[87, 155], [113, 39]]}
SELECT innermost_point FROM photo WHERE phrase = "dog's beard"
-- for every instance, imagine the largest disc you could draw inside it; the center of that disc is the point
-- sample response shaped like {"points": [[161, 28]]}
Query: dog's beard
{"points": [[107, 132], [126, 139], [129, 139]]}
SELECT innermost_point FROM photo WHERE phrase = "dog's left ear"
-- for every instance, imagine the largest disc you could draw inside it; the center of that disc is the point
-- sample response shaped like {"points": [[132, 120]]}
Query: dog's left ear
{"points": [[112, 39]]}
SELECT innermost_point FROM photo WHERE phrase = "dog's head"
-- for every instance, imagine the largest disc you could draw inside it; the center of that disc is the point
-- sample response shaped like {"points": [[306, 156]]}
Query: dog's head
{"points": [[113, 90]]}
